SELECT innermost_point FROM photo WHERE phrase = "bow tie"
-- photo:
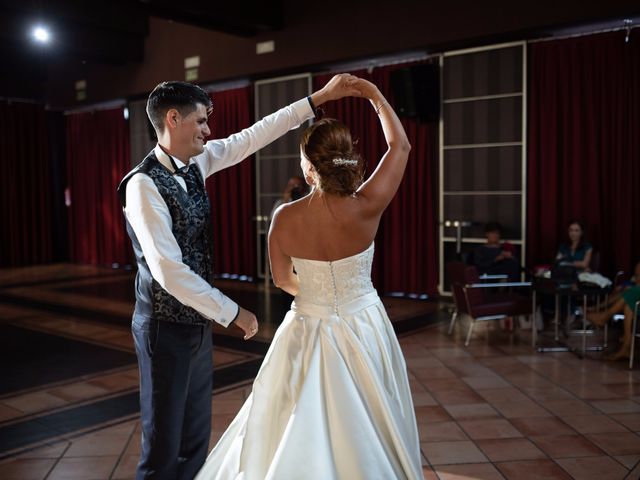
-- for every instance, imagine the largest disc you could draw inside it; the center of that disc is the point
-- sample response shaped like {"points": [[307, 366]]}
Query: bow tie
{"points": [[178, 171]]}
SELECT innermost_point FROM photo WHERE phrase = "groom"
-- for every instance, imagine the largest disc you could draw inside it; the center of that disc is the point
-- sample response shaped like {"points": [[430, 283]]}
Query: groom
{"points": [[168, 219]]}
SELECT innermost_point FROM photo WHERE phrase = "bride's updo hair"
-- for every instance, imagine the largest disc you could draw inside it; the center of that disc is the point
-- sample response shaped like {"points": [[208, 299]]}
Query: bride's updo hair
{"points": [[328, 146]]}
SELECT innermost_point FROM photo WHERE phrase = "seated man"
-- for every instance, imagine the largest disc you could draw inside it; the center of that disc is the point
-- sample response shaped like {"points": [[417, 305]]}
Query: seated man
{"points": [[495, 258]]}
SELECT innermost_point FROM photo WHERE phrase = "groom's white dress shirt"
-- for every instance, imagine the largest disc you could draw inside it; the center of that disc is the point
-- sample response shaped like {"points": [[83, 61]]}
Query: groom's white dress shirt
{"points": [[149, 216]]}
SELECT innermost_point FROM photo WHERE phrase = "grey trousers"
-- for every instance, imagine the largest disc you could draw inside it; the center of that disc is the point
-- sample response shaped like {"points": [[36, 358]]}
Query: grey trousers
{"points": [[176, 369]]}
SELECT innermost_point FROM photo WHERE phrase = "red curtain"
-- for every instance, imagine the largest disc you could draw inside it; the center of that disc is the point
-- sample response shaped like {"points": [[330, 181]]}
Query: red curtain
{"points": [[231, 191], [406, 245], [97, 159], [25, 186], [584, 146]]}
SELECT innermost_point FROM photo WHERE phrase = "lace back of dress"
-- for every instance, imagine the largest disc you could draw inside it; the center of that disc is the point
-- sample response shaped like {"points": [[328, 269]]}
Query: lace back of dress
{"points": [[337, 282]]}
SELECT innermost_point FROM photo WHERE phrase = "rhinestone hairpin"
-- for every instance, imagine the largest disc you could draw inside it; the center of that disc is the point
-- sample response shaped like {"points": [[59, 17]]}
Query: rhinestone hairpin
{"points": [[345, 161]]}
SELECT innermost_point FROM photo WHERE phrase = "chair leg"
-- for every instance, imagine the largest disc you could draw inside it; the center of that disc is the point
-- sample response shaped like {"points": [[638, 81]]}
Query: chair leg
{"points": [[534, 323], [633, 338], [471, 325], [454, 317]]}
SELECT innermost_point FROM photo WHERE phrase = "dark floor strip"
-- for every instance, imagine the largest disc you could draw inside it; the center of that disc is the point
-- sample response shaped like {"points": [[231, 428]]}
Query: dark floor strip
{"points": [[29, 358], [22, 434], [55, 281], [66, 310], [420, 321], [279, 306]]}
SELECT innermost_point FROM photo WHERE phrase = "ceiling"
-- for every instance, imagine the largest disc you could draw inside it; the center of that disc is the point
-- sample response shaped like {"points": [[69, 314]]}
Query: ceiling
{"points": [[111, 32]]}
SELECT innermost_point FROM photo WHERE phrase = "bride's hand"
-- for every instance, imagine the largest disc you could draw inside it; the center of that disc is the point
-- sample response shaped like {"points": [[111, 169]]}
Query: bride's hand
{"points": [[367, 89], [341, 85]]}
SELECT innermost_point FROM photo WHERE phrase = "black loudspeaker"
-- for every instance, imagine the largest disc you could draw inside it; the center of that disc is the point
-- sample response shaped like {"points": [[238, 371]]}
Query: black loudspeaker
{"points": [[416, 92]]}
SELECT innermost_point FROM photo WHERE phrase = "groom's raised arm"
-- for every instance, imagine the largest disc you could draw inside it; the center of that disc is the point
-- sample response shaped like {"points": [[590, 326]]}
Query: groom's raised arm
{"points": [[223, 153]]}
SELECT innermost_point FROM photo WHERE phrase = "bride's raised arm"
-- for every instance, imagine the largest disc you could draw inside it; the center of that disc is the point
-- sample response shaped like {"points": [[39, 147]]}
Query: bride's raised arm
{"points": [[383, 183]]}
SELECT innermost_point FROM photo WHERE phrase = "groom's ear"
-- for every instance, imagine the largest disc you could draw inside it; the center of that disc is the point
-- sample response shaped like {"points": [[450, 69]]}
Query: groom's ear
{"points": [[172, 118]]}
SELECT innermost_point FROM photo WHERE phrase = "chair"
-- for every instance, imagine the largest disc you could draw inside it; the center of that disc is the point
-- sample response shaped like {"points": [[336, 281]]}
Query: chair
{"points": [[471, 298], [456, 273], [634, 333]]}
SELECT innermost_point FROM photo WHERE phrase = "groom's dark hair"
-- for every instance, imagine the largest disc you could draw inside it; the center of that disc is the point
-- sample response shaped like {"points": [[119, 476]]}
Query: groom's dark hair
{"points": [[182, 96]]}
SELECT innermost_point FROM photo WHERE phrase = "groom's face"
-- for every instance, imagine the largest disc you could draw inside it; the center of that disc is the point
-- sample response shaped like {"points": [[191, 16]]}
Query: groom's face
{"points": [[193, 130]]}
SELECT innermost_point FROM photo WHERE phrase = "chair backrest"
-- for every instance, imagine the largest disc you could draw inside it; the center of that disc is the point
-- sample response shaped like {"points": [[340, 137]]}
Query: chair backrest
{"points": [[455, 272], [475, 296], [460, 275]]}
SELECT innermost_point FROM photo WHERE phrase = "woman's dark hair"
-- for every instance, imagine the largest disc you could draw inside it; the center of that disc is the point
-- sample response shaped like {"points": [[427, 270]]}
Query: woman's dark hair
{"points": [[327, 144], [182, 96], [493, 227]]}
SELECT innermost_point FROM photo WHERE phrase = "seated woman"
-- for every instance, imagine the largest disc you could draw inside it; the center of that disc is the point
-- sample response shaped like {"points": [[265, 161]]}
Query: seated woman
{"points": [[623, 301], [494, 257], [577, 251]]}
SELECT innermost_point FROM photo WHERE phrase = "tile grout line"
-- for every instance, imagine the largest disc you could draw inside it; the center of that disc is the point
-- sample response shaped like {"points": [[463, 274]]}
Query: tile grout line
{"points": [[55, 464], [126, 446]]}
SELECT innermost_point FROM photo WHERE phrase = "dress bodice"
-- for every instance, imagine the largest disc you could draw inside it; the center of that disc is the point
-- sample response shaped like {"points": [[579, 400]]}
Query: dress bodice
{"points": [[337, 282]]}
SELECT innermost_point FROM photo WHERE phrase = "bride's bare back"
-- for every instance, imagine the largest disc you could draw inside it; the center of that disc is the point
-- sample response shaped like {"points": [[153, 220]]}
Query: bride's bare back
{"points": [[325, 227]]}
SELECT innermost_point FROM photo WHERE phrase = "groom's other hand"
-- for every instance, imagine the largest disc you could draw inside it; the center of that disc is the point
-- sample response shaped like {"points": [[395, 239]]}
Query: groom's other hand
{"points": [[248, 322], [341, 85]]}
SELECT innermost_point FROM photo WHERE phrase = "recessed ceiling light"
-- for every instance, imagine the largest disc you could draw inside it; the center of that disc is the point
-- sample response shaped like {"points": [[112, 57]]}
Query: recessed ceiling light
{"points": [[41, 34]]}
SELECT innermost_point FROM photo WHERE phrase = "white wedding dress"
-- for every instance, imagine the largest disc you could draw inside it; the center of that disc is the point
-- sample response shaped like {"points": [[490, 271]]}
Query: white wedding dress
{"points": [[332, 399]]}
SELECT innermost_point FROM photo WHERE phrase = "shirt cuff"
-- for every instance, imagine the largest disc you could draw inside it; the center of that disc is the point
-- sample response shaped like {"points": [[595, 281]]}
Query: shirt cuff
{"points": [[314, 109], [303, 110], [234, 318], [228, 314]]}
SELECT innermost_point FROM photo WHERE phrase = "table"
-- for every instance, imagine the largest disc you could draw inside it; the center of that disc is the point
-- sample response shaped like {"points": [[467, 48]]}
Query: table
{"points": [[541, 285]]}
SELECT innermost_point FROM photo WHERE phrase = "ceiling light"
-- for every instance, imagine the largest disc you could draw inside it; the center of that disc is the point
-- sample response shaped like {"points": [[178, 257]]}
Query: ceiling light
{"points": [[41, 34]]}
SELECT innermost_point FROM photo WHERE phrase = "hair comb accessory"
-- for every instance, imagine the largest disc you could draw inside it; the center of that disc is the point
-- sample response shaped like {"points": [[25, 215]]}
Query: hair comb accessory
{"points": [[345, 161]]}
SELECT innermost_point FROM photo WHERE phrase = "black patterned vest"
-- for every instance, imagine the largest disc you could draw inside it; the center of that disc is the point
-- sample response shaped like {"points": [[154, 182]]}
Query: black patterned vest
{"points": [[191, 225]]}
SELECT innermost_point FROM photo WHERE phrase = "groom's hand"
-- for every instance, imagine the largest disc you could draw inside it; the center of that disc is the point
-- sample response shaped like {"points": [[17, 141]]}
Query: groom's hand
{"points": [[247, 322], [341, 85]]}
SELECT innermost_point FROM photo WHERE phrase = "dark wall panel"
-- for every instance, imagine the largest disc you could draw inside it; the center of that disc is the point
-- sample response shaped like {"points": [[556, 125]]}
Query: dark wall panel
{"points": [[497, 168], [483, 121], [483, 73]]}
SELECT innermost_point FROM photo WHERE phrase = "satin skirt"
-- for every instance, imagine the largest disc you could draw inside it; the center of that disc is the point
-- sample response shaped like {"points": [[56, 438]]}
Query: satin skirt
{"points": [[331, 401]]}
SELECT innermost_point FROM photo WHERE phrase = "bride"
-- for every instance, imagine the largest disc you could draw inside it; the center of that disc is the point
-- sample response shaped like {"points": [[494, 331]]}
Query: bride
{"points": [[332, 399]]}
